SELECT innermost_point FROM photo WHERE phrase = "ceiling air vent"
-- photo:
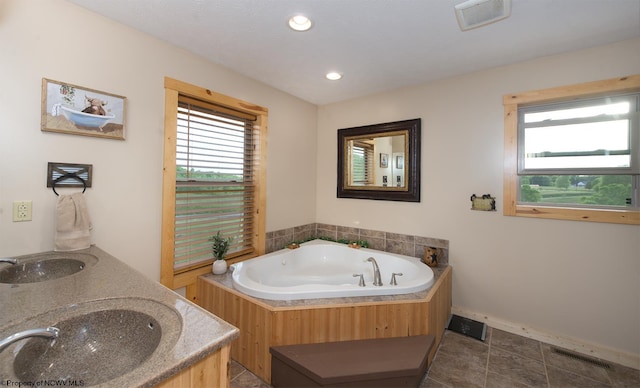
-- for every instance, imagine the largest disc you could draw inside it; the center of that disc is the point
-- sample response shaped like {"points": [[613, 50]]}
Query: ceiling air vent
{"points": [[477, 13]]}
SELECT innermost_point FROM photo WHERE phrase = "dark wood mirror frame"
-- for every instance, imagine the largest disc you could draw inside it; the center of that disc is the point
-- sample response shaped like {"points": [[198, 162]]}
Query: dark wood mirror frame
{"points": [[412, 191]]}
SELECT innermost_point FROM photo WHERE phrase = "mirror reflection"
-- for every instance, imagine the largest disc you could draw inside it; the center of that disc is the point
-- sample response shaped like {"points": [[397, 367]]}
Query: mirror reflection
{"points": [[377, 161]]}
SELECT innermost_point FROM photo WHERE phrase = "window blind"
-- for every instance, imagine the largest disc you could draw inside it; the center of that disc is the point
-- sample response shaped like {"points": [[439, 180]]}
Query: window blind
{"points": [[216, 162], [590, 136], [362, 163]]}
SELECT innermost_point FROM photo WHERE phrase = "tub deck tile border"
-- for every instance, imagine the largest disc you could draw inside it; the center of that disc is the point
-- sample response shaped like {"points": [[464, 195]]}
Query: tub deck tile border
{"points": [[383, 241]]}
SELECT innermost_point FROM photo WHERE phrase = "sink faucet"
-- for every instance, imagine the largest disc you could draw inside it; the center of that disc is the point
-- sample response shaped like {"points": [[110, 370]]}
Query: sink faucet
{"points": [[47, 332], [377, 280], [7, 260]]}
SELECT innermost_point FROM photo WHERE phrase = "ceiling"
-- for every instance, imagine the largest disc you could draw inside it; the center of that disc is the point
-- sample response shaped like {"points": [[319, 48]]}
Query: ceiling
{"points": [[378, 45]]}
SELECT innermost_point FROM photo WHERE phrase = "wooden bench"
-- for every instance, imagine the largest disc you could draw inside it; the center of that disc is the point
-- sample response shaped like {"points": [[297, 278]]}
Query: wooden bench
{"points": [[380, 362]]}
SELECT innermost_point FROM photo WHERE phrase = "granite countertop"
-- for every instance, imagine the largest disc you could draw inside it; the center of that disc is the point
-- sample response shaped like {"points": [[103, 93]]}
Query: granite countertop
{"points": [[107, 283]]}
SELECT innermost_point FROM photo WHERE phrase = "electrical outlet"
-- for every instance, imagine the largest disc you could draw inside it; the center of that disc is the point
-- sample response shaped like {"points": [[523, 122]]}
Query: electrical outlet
{"points": [[21, 211]]}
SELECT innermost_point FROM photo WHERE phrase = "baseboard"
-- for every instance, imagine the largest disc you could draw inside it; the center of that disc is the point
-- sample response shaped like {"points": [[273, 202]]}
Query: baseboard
{"points": [[574, 344]]}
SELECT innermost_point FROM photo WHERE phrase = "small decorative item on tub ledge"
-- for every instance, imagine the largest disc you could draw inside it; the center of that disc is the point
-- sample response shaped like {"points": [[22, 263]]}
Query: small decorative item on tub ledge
{"points": [[293, 245], [431, 257], [219, 247], [354, 245]]}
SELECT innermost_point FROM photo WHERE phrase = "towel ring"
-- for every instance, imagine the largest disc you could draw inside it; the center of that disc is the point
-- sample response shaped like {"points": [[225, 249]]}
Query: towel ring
{"points": [[69, 175]]}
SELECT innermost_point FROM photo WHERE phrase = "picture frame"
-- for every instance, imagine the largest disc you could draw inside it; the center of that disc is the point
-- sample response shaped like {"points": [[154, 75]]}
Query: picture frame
{"points": [[399, 162], [409, 190], [384, 160], [77, 110]]}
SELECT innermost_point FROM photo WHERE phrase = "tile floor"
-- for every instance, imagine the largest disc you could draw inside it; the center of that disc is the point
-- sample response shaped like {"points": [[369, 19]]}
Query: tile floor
{"points": [[502, 360]]}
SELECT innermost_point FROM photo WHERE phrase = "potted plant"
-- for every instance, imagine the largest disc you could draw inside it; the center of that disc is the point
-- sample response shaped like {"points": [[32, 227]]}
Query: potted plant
{"points": [[219, 247]]}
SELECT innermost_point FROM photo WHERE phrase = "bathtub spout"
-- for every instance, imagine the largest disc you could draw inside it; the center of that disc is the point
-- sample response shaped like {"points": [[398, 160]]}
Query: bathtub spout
{"points": [[377, 279]]}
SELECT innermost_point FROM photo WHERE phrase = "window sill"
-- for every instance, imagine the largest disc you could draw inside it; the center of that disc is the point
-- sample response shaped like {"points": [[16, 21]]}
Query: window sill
{"points": [[629, 217]]}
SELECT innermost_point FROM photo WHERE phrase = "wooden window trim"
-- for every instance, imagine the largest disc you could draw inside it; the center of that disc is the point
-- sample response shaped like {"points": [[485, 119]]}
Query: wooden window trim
{"points": [[173, 88], [511, 104]]}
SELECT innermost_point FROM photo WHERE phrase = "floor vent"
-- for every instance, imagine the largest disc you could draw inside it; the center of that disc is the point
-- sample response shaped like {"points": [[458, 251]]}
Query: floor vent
{"points": [[468, 327], [581, 358]]}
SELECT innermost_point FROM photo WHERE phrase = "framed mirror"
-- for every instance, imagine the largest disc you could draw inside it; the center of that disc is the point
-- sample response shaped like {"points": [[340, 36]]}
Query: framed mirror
{"points": [[380, 161]]}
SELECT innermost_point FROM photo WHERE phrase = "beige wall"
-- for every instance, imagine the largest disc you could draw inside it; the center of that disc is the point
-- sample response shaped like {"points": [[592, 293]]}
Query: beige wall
{"points": [[60, 41], [573, 279], [577, 280]]}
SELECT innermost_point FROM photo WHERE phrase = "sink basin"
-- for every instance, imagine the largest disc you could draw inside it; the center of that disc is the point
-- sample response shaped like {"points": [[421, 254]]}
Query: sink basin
{"points": [[45, 267], [94, 348], [99, 342]]}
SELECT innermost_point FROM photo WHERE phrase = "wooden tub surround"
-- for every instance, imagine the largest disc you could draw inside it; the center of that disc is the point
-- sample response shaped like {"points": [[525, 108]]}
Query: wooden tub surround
{"points": [[265, 323]]}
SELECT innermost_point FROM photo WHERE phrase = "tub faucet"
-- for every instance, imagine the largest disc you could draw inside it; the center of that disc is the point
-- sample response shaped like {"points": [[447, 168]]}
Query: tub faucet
{"points": [[377, 280], [393, 281], [361, 283], [47, 332], [7, 260]]}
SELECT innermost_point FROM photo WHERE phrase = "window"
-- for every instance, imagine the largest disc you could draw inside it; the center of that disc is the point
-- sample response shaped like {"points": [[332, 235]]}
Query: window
{"points": [[213, 180], [579, 153], [574, 152], [362, 163]]}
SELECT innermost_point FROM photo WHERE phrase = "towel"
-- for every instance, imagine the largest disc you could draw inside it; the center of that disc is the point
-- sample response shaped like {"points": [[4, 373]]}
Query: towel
{"points": [[73, 225]]}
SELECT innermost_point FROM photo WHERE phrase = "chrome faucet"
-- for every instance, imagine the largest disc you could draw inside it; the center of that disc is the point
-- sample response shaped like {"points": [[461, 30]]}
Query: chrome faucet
{"points": [[7, 260], [47, 332], [377, 280]]}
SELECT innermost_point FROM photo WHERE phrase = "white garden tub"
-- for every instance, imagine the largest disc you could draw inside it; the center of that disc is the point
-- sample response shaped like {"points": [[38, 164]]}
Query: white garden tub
{"points": [[323, 269]]}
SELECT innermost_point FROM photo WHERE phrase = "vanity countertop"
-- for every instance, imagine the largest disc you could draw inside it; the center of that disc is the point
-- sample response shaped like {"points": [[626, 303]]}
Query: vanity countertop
{"points": [[106, 281]]}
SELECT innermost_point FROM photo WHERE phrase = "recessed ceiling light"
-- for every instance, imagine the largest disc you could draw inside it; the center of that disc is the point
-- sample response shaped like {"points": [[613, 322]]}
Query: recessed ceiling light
{"points": [[333, 76], [300, 23]]}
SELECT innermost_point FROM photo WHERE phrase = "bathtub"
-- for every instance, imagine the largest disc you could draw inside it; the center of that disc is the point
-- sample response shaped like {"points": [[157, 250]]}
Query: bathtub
{"points": [[85, 119], [323, 269]]}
